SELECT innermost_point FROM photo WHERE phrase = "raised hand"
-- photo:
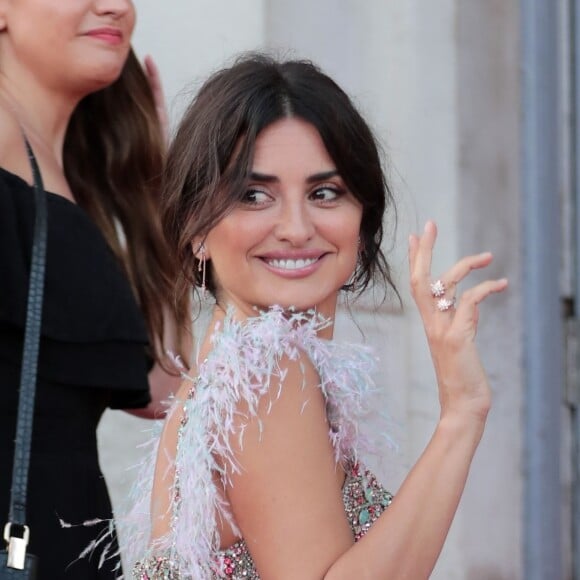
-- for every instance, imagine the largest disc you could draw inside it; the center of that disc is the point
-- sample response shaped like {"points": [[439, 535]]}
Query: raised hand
{"points": [[451, 325], [154, 78]]}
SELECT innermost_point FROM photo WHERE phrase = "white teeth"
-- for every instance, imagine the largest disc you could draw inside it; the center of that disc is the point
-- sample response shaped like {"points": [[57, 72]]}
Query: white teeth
{"points": [[291, 264]]}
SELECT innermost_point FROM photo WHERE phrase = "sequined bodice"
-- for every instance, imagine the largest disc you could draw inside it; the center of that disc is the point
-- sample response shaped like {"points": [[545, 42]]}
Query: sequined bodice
{"points": [[364, 501]]}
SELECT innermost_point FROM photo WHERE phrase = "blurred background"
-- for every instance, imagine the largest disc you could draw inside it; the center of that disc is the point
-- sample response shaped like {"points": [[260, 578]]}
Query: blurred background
{"points": [[475, 103]]}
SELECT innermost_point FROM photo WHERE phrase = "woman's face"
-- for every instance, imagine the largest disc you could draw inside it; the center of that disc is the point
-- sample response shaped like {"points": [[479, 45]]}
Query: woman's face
{"points": [[293, 240], [76, 45]]}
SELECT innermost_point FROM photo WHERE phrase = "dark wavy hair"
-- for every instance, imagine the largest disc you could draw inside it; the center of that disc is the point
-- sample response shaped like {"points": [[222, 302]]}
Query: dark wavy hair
{"points": [[211, 155], [114, 153]]}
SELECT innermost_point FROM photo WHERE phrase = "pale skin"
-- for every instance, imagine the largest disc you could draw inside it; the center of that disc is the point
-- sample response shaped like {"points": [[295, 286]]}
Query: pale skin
{"points": [[287, 499], [39, 91]]}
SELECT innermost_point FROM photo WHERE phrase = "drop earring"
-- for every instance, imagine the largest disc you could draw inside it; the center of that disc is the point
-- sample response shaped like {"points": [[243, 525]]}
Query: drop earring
{"points": [[201, 267]]}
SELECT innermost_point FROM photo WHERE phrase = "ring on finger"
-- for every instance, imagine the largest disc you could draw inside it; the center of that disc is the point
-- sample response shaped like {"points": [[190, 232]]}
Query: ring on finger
{"points": [[437, 289], [444, 304]]}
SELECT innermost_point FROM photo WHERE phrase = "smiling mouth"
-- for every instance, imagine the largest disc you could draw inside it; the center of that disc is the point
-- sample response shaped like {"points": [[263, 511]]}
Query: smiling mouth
{"points": [[292, 264], [111, 35]]}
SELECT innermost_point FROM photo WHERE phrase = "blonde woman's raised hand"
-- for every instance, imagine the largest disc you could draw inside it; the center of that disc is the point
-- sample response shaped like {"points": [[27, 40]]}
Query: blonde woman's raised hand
{"points": [[450, 323]]}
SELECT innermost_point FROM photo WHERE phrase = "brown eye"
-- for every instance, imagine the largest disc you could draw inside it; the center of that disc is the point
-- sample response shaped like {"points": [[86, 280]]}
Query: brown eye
{"points": [[326, 194], [255, 197]]}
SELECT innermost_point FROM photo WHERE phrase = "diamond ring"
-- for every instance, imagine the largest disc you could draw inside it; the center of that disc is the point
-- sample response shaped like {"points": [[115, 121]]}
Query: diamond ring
{"points": [[444, 304], [437, 289]]}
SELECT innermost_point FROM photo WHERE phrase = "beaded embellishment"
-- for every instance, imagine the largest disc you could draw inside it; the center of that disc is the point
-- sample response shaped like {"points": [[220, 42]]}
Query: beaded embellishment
{"points": [[364, 500], [156, 568]]}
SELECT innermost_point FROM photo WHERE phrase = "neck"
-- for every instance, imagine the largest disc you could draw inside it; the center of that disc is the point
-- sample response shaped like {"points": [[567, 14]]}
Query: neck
{"points": [[221, 309], [43, 113]]}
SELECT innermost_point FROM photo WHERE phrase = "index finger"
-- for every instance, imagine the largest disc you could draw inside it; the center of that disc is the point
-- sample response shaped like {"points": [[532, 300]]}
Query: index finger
{"points": [[424, 251]]}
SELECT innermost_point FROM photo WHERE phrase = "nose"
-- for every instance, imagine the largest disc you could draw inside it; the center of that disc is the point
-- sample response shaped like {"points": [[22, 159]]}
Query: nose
{"points": [[116, 8], [295, 224]]}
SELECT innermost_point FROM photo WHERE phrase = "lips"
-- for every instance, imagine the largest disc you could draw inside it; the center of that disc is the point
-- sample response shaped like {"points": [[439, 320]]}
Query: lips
{"points": [[107, 33]]}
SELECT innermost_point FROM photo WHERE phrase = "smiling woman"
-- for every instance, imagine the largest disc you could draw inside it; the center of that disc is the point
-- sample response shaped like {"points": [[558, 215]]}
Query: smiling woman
{"points": [[292, 238], [78, 45], [274, 201], [70, 83], [323, 117]]}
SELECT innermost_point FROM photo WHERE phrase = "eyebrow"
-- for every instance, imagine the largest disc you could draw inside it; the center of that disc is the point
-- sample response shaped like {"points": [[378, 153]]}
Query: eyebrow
{"points": [[264, 178]]}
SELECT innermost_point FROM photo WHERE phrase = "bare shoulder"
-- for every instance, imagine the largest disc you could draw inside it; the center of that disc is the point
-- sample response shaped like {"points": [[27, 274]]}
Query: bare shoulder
{"points": [[293, 399], [286, 498]]}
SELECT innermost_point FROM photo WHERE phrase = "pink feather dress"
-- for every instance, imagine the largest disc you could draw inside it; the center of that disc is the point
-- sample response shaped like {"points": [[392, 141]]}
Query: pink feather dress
{"points": [[244, 358]]}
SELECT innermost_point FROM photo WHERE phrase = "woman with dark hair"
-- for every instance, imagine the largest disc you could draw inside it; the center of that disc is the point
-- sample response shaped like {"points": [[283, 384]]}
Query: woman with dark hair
{"points": [[274, 204], [71, 86]]}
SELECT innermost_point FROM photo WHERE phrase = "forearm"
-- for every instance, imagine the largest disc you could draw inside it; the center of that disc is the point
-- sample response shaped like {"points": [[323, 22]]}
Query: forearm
{"points": [[407, 539]]}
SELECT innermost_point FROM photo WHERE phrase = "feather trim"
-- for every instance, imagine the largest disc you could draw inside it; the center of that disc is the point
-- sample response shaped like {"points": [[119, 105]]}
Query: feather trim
{"points": [[244, 358]]}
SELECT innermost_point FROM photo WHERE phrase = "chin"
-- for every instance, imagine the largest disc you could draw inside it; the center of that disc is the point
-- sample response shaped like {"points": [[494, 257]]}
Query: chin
{"points": [[101, 77]]}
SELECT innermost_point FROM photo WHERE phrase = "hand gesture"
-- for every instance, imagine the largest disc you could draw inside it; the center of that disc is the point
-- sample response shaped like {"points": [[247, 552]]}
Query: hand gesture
{"points": [[154, 78], [451, 324]]}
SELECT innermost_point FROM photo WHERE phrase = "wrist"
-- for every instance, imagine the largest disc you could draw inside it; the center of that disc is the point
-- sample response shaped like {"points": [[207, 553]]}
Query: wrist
{"points": [[458, 427]]}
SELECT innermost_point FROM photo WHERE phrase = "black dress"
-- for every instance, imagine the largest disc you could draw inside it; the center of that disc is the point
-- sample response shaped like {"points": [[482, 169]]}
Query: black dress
{"points": [[92, 356]]}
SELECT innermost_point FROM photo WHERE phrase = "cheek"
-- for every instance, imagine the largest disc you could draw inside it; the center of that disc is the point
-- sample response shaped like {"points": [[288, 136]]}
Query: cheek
{"points": [[345, 230], [240, 231], [352, 237], [233, 238], [131, 20]]}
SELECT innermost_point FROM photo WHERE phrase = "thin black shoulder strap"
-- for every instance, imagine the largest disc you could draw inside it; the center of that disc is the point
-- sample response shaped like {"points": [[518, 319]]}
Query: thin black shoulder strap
{"points": [[17, 512]]}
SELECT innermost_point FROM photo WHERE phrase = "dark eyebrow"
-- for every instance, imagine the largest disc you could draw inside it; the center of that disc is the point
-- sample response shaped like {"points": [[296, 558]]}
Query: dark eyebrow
{"points": [[263, 177], [311, 179], [322, 176]]}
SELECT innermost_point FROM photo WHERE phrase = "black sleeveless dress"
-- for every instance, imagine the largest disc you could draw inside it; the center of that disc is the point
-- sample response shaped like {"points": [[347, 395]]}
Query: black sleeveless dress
{"points": [[92, 356]]}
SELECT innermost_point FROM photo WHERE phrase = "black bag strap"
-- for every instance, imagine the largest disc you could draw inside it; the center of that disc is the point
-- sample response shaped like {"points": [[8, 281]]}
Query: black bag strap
{"points": [[17, 510]]}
